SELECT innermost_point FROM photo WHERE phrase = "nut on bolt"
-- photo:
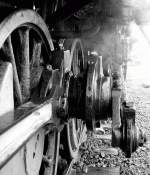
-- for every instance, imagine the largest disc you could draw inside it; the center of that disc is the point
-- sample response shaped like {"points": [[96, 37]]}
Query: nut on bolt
{"points": [[61, 113], [62, 108]]}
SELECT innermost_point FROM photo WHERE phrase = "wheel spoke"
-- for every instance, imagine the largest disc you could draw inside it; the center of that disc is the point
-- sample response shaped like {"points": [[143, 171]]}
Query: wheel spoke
{"points": [[36, 55], [35, 63], [25, 64], [8, 50], [74, 64]]}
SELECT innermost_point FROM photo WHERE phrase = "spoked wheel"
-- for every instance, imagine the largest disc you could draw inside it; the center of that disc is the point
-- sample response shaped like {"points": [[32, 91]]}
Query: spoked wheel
{"points": [[52, 143], [75, 127], [26, 43]]}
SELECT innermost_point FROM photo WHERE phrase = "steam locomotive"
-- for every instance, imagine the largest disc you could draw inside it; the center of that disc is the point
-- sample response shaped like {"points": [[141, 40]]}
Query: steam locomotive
{"points": [[63, 66]]}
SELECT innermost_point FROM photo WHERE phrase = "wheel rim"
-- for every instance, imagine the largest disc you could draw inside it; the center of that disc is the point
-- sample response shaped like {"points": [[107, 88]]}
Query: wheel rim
{"points": [[23, 17], [75, 126], [19, 29], [26, 43]]}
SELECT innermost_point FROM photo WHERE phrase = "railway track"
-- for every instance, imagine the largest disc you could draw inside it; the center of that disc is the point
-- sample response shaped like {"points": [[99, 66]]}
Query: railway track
{"points": [[80, 166]]}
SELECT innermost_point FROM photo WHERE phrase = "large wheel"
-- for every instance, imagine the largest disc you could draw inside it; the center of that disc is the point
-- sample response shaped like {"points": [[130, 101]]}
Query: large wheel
{"points": [[26, 43], [75, 127]]}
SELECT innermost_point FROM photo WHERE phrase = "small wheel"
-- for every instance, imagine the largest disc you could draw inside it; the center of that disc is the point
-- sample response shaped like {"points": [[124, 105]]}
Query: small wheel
{"points": [[75, 127], [51, 152]]}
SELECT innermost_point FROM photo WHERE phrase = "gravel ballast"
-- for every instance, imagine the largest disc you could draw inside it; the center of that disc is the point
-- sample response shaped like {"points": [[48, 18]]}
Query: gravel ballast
{"points": [[92, 151]]}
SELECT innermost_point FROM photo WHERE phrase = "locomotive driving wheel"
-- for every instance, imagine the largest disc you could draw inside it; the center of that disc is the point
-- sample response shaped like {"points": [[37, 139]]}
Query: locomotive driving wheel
{"points": [[75, 127], [26, 44]]}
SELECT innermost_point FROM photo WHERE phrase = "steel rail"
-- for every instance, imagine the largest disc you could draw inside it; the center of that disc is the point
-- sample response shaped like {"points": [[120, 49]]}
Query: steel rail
{"points": [[32, 118]]}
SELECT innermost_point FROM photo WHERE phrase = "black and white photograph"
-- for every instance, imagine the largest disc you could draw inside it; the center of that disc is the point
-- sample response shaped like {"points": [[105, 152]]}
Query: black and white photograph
{"points": [[74, 87]]}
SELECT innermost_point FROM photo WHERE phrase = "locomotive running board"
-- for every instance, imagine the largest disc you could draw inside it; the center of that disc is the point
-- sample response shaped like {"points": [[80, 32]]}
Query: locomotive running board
{"points": [[31, 118]]}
